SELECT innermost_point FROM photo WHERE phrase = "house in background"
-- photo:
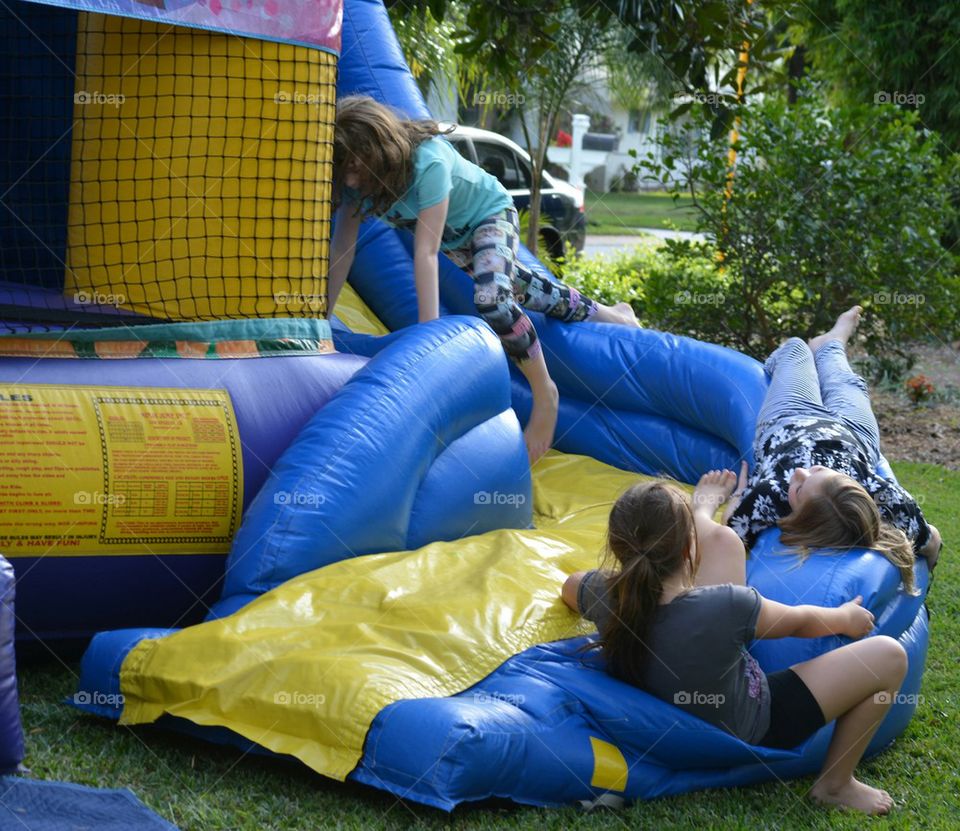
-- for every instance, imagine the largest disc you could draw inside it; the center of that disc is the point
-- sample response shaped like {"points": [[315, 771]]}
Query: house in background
{"points": [[614, 130], [633, 123]]}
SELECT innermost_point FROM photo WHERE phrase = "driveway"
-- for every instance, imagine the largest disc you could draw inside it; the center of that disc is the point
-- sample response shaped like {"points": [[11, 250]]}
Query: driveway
{"points": [[596, 244]]}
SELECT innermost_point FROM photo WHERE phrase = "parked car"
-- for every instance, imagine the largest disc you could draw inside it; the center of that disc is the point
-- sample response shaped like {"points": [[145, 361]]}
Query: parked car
{"points": [[562, 217]]}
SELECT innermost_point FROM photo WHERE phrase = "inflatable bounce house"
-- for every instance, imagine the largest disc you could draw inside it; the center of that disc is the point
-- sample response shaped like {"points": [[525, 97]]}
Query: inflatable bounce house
{"points": [[319, 536]]}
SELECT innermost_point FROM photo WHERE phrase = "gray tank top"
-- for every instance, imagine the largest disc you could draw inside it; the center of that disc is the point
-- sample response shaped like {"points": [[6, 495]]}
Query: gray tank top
{"points": [[698, 659]]}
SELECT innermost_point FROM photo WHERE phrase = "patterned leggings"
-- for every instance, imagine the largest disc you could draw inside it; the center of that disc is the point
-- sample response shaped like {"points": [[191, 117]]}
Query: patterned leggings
{"points": [[501, 286]]}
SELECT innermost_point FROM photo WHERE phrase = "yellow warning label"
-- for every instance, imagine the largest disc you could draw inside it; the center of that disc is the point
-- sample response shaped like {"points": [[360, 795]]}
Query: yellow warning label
{"points": [[117, 470]]}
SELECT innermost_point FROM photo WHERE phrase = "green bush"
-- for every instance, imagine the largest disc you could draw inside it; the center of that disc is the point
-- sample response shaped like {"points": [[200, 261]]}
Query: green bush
{"points": [[684, 293], [829, 207]]}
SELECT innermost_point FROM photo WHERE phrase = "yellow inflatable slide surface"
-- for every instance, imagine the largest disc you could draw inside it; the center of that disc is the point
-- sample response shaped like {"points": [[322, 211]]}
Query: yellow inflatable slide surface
{"points": [[305, 668]]}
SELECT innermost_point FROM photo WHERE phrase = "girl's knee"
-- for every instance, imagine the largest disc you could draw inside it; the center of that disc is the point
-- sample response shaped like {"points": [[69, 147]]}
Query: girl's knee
{"points": [[792, 350], [795, 346], [493, 295], [888, 659]]}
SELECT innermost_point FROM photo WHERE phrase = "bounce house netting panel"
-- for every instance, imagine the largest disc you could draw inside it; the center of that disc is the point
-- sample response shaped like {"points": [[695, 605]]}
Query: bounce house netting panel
{"points": [[159, 172]]}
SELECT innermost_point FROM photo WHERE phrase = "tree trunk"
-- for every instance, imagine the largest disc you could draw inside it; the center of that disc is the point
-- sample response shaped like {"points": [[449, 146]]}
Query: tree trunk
{"points": [[533, 228], [796, 67]]}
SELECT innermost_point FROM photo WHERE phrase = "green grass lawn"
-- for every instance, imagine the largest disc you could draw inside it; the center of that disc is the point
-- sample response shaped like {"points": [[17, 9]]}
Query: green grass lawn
{"points": [[625, 213], [202, 787]]}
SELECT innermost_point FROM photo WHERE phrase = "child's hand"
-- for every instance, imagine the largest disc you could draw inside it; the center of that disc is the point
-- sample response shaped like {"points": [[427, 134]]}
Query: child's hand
{"points": [[713, 489], [855, 621]]}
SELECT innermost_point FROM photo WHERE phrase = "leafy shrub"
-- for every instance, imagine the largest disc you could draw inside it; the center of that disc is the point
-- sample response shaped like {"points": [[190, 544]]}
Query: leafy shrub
{"points": [[625, 181], [684, 294], [829, 207]]}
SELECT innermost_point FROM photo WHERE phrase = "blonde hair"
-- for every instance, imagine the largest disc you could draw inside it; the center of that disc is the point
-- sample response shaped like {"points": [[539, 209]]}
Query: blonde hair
{"points": [[651, 535], [843, 515], [380, 144]]}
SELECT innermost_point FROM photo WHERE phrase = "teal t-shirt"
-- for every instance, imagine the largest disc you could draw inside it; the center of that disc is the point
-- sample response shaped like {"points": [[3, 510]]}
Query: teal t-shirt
{"points": [[440, 172]]}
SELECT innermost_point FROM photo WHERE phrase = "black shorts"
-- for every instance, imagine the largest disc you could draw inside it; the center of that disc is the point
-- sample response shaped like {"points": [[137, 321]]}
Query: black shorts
{"points": [[794, 712]]}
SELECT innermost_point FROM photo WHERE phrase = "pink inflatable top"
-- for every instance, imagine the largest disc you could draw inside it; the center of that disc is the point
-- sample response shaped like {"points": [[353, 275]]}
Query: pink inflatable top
{"points": [[310, 22]]}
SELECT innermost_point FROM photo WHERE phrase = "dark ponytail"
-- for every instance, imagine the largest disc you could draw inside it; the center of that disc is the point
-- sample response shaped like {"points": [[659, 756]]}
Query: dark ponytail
{"points": [[651, 536]]}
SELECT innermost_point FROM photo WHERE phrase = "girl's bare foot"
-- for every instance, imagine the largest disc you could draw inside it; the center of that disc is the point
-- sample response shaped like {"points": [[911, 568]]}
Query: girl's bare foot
{"points": [[621, 314], [713, 489], [543, 422], [842, 330], [853, 794]]}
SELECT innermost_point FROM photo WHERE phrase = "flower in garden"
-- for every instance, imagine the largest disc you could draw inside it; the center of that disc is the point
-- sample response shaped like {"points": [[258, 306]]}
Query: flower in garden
{"points": [[919, 388]]}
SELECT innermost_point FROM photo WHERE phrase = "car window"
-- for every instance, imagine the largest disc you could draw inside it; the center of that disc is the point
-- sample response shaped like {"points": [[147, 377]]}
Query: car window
{"points": [[526, 176], [501, 162]]}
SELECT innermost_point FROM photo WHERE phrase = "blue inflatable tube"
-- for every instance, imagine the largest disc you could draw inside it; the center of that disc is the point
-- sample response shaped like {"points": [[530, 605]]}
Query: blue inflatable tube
{"points": [[419, 431], [525, 733]]}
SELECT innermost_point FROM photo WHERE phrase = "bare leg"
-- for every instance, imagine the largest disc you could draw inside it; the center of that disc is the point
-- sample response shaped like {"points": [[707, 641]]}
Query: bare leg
{"points": [[538, 434], [621, 313], [855, 685], [845, 393], [842, 330], [722, 555]]}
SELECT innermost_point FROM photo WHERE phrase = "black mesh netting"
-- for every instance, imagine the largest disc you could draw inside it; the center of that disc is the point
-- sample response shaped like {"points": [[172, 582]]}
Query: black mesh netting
{"points": [[156, 172]]}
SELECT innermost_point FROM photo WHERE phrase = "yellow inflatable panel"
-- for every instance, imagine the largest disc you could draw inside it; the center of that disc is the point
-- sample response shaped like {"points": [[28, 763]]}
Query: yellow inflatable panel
{"points": [[118, 471], [609, 766], [355, 314], [200, 173], [305, 668]]}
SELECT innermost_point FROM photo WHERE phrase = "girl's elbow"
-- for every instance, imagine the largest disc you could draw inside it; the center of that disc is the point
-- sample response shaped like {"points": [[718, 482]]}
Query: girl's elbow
{"points": [[426, 248], [570, 590]]}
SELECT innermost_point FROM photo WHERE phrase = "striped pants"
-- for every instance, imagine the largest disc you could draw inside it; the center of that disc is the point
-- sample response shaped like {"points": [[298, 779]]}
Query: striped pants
{"points": [[503, 288]]}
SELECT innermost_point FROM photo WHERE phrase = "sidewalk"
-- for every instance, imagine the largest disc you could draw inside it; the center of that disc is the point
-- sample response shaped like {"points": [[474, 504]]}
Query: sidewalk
{"points": [[596, 244]]}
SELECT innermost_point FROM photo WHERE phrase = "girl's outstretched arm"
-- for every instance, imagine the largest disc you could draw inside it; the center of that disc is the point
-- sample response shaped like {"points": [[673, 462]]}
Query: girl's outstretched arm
{"points": [[426, 247], [342, 248], [778, 620], [722, 555]]}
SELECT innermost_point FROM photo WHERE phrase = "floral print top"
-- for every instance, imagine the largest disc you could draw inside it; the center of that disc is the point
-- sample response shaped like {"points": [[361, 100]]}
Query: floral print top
{"points": [[804, 442]]}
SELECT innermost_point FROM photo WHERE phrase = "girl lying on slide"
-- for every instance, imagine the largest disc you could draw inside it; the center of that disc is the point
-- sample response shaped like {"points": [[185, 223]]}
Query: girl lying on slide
{"points": [[675, 618], [406, 174], [817, 447]]}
